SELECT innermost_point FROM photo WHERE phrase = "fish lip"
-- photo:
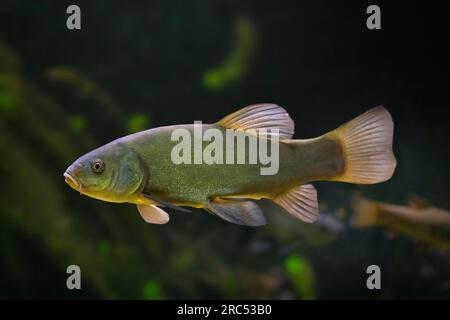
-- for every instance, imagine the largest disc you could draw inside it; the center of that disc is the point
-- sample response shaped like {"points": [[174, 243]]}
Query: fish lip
{"points": [[72, 181]]}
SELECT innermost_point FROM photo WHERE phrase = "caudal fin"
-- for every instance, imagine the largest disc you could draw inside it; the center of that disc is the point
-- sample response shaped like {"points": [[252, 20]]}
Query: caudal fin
{"points": [[365, 213], [366, 144]]}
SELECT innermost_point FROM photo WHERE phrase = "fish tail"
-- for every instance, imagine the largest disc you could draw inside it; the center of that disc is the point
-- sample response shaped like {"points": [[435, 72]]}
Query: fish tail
{"points": [[365, 213], [366, 147]]}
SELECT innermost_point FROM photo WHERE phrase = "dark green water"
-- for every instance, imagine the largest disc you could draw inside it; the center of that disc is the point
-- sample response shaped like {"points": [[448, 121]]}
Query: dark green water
{"points": [[136, 66]]}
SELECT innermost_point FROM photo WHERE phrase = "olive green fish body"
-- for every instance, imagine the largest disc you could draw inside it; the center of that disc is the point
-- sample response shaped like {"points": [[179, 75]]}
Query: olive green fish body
{"points": [[263, 161], [300, 161]]}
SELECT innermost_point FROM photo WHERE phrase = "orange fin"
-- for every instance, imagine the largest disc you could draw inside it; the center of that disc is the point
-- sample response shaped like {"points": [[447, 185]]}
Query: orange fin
{"points": [[301, 202], [365, 213], [261, 116], [153, 214], [366, 143]]}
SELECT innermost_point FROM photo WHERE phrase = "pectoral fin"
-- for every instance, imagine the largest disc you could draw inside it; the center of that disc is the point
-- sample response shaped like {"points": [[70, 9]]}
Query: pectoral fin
{"points": [[301, 202], [153, 214], [165, 203], [245, 213]]}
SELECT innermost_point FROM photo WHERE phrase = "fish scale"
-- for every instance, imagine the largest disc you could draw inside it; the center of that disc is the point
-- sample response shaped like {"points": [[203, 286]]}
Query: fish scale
{"points": [[139, 168]]}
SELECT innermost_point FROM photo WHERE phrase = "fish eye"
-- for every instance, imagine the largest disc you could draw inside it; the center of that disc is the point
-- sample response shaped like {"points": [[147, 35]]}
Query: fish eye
{"points": [[97, 166]]}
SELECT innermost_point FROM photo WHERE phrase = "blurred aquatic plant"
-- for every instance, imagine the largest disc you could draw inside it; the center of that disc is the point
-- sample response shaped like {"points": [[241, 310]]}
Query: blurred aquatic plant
{"points": [[104, 248], [9, 61], [301, 273], [137, 122], [151, 290], [236, 65], [32, 114], [78, 123], [6, 102], [49, 221], [88, 90]]}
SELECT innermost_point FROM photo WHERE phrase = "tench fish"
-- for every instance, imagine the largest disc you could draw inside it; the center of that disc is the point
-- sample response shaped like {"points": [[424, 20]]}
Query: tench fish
{"points": [[427, 224], [141, 169]]}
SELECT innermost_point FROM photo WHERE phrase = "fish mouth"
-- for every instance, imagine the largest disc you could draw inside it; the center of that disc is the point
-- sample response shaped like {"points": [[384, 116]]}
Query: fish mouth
{"points": [[72, 181]]}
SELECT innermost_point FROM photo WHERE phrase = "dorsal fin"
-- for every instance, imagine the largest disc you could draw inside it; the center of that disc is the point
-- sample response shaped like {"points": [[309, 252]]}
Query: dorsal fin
{"points": [[261, 116], [301, 202]]}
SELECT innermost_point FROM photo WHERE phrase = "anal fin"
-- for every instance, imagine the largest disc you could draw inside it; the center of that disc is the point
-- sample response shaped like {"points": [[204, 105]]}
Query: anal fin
{"points": [[245, 213], [153, 214], [301, 202]]}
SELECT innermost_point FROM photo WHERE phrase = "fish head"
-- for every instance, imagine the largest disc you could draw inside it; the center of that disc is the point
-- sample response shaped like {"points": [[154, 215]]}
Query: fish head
{"points": [[111, 173]]}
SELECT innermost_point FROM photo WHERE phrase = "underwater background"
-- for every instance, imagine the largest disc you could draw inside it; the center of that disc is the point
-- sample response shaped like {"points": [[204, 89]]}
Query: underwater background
{"points": [[142, 64]]}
